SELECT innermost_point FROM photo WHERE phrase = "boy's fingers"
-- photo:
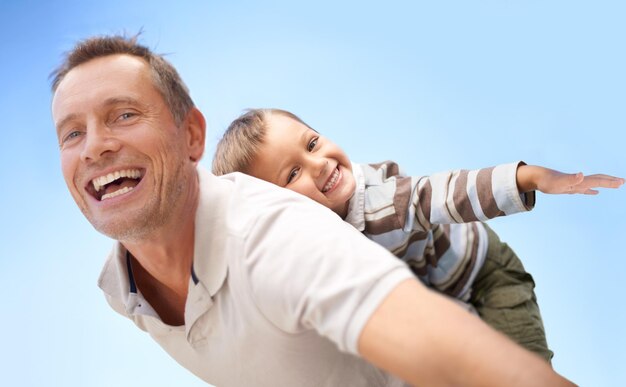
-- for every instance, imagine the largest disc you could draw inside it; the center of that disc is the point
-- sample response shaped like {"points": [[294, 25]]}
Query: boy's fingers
{"points": [[606, 181], [573, 183], [577, 178], [591, 192]]}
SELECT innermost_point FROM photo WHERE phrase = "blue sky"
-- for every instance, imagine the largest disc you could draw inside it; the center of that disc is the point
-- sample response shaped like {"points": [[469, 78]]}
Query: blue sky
{"points": [[433, 85]]}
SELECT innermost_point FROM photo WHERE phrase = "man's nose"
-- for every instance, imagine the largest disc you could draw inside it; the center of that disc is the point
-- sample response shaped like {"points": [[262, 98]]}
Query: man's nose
{"points": [[98, 141]]}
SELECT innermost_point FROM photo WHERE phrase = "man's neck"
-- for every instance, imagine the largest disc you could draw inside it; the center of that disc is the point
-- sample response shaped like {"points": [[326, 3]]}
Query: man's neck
{"points": [[162, 261], [167, 258]]}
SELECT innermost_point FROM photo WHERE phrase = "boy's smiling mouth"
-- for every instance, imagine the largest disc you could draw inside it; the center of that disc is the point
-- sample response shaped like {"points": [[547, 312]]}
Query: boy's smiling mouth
{"points": [[332, 180], [114, 183]]}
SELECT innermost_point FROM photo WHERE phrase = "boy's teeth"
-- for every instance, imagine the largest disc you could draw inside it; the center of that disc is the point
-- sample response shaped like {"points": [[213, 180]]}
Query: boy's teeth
{"points": [[116, 193], [332, 181], [100, 182]]}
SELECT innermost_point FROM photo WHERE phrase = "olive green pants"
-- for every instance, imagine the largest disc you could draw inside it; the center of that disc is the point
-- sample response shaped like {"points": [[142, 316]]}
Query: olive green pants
{"points": [[504, 298]]}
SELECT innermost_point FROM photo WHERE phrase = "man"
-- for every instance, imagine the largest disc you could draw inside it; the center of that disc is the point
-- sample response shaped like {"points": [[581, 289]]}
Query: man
{"points": [[223, 272]]}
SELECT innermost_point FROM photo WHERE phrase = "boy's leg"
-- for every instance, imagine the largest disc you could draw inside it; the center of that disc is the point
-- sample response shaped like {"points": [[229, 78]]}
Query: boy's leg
{"points": [[504, 297]]}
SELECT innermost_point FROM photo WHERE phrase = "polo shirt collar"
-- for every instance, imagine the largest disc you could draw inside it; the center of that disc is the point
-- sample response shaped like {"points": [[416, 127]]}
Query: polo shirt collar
{"points": [[116, 280], [210, 266], [209, 269]]}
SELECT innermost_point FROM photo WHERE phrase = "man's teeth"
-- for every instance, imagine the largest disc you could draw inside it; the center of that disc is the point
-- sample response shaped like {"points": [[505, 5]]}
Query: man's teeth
{"points": [[331, 183], [116, 193], [101, 181]]}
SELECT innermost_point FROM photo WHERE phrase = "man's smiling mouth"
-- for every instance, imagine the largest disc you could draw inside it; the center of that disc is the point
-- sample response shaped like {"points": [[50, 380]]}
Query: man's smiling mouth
{"points": [[114, 184]]}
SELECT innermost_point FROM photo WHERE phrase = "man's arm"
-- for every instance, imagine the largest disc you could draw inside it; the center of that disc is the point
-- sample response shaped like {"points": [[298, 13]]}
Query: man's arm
{"points": [[426, 340]]}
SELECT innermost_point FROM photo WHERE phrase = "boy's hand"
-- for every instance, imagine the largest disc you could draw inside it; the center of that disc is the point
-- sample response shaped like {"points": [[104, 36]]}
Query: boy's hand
{"points": [[532, 177]]}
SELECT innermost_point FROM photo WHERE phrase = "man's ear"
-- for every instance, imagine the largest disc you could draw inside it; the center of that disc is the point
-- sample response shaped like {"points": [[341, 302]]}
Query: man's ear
{"points": [[196, 133]]}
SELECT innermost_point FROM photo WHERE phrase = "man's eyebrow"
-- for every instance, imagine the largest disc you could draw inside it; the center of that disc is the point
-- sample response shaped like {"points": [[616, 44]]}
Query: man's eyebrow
{"points": [[65, 120], [121, 101], [106, 103]]}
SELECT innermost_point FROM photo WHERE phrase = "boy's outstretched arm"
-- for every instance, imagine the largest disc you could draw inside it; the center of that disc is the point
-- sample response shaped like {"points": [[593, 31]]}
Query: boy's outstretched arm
{"points": [[533, 177], [427, 340]]}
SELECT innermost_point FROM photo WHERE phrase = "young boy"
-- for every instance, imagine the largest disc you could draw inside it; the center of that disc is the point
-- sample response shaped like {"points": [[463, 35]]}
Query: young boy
{"points": [[432, 223]]}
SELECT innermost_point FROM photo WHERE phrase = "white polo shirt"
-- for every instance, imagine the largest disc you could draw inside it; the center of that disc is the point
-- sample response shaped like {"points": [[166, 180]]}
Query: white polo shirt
{"points": [[280, 290]]}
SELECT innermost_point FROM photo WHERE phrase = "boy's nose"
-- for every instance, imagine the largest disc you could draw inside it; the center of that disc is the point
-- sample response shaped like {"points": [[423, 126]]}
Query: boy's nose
{"points": [[320, 165]]}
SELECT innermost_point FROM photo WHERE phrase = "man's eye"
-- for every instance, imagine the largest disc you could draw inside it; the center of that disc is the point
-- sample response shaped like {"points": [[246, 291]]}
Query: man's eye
{"points": [[126, 116], [70, 136], [312, 144], [292, 175]]}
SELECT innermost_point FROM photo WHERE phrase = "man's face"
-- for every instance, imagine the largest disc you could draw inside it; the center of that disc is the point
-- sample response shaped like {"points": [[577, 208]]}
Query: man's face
{"points": [[298, 158], [123, 158]]}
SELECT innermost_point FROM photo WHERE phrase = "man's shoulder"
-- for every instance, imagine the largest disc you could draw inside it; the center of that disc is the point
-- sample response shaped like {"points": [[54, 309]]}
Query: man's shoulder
{"points": [[252, 187], [249, 192], [242, 201]]}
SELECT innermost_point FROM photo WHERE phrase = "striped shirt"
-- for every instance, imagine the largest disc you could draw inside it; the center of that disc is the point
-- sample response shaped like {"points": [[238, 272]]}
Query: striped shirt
{"points": [[433, 222]]}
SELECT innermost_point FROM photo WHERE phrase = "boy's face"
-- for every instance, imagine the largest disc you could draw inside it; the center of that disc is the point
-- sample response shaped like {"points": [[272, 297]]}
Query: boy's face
{"points": [[298, 158]]}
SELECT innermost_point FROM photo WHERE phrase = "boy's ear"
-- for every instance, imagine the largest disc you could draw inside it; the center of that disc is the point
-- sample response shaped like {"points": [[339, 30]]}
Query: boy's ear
{"points": [[196, 132]]}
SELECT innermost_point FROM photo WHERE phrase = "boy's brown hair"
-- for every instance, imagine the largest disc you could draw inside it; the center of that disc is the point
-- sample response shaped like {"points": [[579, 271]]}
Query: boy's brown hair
{"points": [[242, 139]]}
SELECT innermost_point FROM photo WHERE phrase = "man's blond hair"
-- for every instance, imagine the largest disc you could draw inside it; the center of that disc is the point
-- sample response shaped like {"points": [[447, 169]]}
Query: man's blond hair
{"points": [[164, 76]]}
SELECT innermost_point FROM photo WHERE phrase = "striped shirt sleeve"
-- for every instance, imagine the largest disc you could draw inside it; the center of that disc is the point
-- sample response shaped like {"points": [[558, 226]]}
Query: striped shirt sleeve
{"points": [[462, 196]]}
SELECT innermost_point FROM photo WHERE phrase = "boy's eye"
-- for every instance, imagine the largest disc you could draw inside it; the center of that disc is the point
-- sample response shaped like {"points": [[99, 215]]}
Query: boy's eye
{"points": [[292, 175], [312, 144]]}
